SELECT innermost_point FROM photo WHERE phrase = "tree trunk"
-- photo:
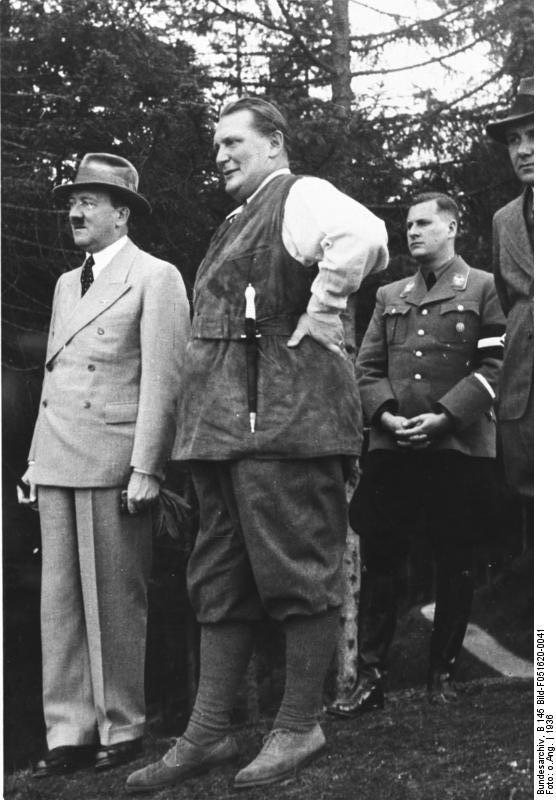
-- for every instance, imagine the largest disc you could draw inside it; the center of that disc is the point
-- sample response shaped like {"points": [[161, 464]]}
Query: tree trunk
{"points": [[347, 649], [342, 96]]}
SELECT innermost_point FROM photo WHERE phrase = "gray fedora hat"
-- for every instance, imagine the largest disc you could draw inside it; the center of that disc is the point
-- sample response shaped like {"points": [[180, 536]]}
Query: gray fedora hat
{"points": [[522, 109], [110, 173]]}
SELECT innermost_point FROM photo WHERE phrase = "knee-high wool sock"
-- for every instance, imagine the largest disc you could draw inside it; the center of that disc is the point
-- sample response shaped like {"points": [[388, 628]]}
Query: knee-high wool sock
{"points": [[225, 651], [310, 644]]}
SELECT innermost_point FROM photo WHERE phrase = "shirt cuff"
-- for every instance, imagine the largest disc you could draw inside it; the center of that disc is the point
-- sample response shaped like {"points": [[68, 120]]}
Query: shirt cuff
{"points": [[144, 472], [322, 313]]}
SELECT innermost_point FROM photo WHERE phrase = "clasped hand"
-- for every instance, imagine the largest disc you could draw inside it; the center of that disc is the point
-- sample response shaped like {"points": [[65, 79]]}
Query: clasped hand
{"points": [[415, 433]]}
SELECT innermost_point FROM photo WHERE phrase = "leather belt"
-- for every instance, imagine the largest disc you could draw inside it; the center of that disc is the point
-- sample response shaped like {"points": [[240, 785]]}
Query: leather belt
{"points": [[231, 328]]}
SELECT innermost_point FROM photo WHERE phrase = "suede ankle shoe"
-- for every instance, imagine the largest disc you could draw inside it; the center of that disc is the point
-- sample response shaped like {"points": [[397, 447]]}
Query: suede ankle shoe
{"points": [[282, 754], [183, 760]]}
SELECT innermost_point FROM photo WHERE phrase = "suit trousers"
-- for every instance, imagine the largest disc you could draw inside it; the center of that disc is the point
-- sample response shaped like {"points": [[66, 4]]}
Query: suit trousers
{"points": [[95, 567], [439, 501]]}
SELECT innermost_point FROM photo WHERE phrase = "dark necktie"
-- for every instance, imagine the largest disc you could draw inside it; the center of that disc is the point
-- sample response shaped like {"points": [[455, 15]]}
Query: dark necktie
{"points": [[430, 280], [87, 276]]}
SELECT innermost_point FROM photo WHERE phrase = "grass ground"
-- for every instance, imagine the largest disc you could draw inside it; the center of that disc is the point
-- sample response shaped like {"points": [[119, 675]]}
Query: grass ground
{"points": [[477, 749]]}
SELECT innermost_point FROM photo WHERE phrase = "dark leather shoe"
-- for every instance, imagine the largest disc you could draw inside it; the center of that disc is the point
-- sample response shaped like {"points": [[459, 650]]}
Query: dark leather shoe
{"points": [[61, 760], [441, 688], [113, 755], [368, 695]]}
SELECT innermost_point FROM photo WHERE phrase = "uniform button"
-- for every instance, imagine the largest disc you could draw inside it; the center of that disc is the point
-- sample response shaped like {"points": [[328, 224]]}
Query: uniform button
{"points": [[50, 367], [86, 404], [417, 376], [420, 332], [418, 353], [424, 312], [91, 367], [100, 331], [45, 403], [460, 307]]}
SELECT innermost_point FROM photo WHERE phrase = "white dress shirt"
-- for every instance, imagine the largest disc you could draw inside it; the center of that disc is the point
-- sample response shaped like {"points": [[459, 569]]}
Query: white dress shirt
{"points": [[346, 240], [105, 256]]}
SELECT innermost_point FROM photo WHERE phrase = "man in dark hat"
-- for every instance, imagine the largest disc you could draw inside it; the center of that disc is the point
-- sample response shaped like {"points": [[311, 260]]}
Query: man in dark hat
{"points": [[106, 423], [513, 228]]}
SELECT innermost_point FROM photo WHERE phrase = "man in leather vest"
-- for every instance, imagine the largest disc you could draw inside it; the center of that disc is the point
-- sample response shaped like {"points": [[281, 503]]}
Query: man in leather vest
{"points": [[428, 374], [269, 479], [512, 234]]}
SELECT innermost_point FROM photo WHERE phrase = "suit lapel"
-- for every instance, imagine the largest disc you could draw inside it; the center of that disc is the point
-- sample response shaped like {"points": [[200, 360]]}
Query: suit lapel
{"points": [[516, 238], [110, 285]]}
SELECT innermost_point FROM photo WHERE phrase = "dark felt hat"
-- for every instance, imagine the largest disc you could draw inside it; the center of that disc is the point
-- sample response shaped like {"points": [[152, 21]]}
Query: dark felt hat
{"points": [[522, 109], [110, 173]]}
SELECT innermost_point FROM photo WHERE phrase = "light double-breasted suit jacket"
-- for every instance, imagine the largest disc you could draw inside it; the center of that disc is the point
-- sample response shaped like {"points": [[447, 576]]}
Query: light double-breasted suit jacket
{"points": [[114, 371], [513, 274]]}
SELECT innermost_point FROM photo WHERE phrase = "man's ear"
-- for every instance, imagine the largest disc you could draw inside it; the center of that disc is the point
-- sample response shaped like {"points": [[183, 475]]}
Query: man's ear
{"points": [[276, 140], [122, 217], [453, 226]]}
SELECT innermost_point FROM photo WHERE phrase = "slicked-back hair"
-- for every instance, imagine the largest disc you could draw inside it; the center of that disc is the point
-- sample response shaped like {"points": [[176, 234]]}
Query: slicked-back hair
{"points": [[266, 117], [443, 202]]}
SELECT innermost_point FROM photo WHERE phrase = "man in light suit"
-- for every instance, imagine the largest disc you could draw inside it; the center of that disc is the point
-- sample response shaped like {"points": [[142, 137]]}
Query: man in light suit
{"points": [[106, 423], [513, 274]]}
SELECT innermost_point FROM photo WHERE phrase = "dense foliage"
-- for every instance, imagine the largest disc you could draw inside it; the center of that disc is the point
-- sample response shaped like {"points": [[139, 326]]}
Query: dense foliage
{"points": [[114, 76], [84, 76]]}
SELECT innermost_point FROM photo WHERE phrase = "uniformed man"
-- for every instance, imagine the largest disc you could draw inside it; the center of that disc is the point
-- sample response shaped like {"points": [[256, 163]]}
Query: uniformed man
{"points": [[428, 371], [512, 264], [270, 483]]}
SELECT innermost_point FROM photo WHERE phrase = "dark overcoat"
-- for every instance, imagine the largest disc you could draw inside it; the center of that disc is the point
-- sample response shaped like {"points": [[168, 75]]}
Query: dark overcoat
{"points": [[513, 273]]}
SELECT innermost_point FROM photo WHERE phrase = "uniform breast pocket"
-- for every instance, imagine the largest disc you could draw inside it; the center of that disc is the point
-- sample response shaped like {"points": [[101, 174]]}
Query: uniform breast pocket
{"points": [[396, 320], [459, 322]]}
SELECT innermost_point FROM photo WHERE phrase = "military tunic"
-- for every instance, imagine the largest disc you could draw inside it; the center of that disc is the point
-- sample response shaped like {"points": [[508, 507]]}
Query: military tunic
{"points": [[435, 350]]}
